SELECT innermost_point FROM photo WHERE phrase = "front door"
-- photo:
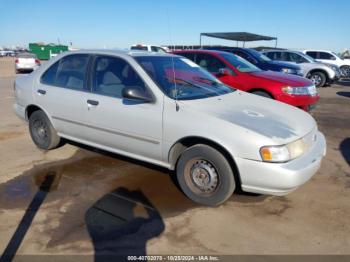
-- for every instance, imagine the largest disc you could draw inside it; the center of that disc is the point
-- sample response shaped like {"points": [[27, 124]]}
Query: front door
{"points": [[129, 127]]}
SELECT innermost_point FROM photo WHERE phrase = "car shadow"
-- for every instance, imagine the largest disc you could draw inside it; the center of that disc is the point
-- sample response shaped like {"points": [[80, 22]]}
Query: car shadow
{"points": [[44, 187], [345, 94], [344, 148], [115, 228], [344, 82]]}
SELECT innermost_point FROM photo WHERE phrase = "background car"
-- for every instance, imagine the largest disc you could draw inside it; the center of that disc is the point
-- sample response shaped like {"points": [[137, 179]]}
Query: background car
{"points": [[319, 73], [263, 62], [330, 58], [149, 48], [239, 73], [26, 62]]}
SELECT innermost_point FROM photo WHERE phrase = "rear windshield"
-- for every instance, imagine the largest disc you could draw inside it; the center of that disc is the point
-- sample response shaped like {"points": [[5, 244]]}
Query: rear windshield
{"points": [[143, 48], [26, 55]]}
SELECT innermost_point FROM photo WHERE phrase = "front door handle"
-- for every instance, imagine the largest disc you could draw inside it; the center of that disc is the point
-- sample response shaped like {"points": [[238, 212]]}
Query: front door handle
{"points": [[92, 102], [41, 92]]}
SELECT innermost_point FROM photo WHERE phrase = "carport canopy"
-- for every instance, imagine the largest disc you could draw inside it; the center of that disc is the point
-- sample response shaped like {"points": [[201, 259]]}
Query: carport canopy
{"points": [[239, 36]]}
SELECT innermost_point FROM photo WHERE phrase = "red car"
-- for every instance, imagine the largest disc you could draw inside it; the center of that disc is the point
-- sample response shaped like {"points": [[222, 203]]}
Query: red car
{"points": [[238, 73]]}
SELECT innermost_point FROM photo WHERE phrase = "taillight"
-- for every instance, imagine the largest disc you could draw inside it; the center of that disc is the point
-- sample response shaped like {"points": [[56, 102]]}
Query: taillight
{"points": [[37, 61], [16, 61]]}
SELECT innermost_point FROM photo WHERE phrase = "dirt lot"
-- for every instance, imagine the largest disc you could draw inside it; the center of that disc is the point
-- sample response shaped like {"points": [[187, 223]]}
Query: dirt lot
{"points": [[68, 200]]}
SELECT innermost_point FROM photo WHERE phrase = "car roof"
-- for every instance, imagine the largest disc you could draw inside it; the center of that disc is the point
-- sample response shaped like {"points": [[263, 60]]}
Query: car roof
{"points": [[200, 51], [131, 53]]}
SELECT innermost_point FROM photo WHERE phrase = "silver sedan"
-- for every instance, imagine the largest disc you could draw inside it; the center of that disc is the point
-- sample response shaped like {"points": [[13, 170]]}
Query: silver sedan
{"points": [[166, 110]]}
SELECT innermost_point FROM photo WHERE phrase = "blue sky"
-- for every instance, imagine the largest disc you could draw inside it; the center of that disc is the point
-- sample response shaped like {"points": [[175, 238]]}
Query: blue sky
{"points": [[100, 23]]}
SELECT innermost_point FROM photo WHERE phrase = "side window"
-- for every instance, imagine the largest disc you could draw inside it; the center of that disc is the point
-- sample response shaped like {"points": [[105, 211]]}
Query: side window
{"points": [[326, 56], [154, 49], [210, 63], [49, 77], [188, 55], [111, 75], [312, 54], [69, 72], [271, 55]]}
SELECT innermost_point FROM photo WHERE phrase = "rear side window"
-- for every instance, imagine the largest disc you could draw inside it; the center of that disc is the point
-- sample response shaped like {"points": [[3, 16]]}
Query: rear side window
{"points": [[187, 55], [111, 75], [69, 72]]}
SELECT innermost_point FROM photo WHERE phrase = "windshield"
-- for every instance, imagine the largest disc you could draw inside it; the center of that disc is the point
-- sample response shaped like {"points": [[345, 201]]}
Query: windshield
{"points": [[26, 55], [180, 78], [240, 64], [337, 55], [308, 58], [259, 56]]}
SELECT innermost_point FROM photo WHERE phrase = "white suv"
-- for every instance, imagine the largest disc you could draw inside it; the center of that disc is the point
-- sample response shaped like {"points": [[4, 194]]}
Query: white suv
{"points": [[330, 58], [149, 48]]}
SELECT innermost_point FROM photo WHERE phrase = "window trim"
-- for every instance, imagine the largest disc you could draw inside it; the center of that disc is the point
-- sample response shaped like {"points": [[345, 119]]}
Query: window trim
{"points": [[86, 88], [91, 76]]}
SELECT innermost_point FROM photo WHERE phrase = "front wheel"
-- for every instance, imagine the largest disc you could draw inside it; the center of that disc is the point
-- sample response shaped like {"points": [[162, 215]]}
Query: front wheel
{"points": [[261, 93], [205, 175], [42, 132], [318, 78]]}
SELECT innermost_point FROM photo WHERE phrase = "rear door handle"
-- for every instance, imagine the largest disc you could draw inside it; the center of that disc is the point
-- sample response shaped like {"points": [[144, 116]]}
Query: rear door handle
{"points": [[92, 102], [41, 92]]}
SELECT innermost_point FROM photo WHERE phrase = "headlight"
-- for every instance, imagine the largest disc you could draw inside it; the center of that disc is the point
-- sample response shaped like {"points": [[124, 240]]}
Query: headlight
{"points": [[292, 71], [288, 71], [301, 91], [284, 153]]}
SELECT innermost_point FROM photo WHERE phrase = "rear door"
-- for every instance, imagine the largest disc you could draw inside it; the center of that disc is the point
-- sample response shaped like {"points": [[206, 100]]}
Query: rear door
{"points": [[127, 126], [62, 91]]}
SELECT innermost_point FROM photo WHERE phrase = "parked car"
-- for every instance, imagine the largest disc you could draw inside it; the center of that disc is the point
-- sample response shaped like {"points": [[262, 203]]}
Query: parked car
{"points": [[26, 62], [149, 48], [330, 58], [239, 73], [166, 110], [263, 62], [319, 73]]}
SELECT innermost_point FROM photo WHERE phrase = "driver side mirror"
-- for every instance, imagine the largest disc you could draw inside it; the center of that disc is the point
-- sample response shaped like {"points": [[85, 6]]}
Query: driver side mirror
{"points": [[137, 93], [224, 72]]}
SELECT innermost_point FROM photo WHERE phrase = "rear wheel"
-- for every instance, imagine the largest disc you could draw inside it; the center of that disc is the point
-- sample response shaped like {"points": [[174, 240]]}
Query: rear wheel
{"points": [[261, 93], [205, 175], [318, 78], [42, 132]]}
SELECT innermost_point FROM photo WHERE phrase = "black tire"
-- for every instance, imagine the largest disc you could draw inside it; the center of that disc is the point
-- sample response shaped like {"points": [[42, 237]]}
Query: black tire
{"points": [[221, 184], [318, 78], [42, 132], [261, 93], [345, 71]]}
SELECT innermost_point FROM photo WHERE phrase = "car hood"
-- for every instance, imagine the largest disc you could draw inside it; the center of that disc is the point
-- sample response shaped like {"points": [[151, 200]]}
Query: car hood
{"points": [[287, 79], [276, 121]]}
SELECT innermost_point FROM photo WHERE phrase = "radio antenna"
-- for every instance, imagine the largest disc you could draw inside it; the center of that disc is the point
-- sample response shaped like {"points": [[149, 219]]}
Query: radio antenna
{"points": [[172, 60]]}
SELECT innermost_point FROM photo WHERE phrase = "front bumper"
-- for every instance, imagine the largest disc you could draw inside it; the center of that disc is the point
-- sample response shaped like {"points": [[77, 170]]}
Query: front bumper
{"points": [[305, 102], [281, 178]]}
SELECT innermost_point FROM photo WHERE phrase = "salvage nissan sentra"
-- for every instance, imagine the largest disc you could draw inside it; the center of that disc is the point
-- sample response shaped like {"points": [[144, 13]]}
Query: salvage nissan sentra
{"points": [[166, 110]]}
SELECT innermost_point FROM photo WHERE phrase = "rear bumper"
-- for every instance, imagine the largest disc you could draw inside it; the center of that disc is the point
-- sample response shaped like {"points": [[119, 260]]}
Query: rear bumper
{"points": [[281, 179], [306, 102], [20, 111]]}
